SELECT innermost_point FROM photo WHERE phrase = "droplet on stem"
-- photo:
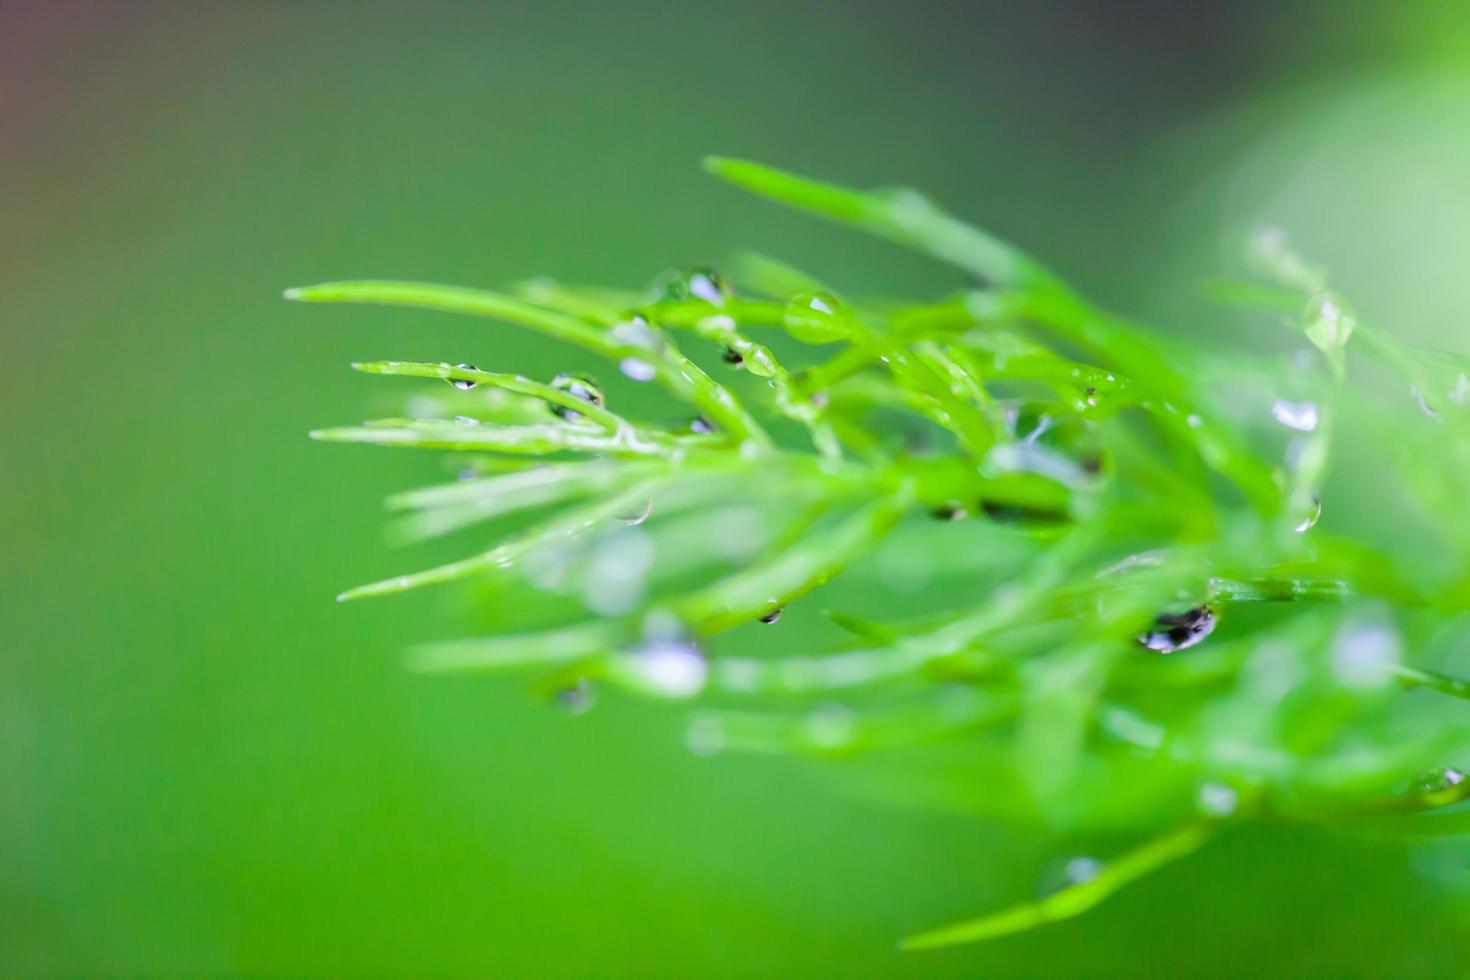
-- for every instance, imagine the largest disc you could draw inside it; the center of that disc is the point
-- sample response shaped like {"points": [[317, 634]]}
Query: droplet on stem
{"points": [[679, 286], [1062, 874], [579, 387], [637, 369], [463, 384], [1315, 514], [814, 318], [1301, 416], [1439, 780], [638, 516], [672, 667], [1173, 632], [578, 698], [771, 617]]}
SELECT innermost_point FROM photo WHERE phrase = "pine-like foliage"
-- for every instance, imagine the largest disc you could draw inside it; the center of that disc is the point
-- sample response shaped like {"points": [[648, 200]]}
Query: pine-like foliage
{"points": [[1105, 496]]}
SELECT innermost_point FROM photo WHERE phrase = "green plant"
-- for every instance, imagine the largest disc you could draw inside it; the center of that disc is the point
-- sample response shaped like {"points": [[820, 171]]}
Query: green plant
{"points": [[1126, 491]]}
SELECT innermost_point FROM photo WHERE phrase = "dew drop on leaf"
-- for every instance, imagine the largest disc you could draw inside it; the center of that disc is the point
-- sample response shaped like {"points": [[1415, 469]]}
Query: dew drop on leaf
{"points": [[672, 667], [639, 516], [732, 356], [577, 699], [579, 387], [636, 368], [1301, 416], [636, 331], [702, 426], [1438, 780], [815, 318], [463, 384], [1173, 632], [679, 286], [1068, 873], [1423, 405], [1310, 521], [708, 285], [771, 617]]}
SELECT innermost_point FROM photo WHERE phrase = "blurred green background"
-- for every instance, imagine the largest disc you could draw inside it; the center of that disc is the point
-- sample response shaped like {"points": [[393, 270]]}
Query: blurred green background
{"points": [[209, 768]]}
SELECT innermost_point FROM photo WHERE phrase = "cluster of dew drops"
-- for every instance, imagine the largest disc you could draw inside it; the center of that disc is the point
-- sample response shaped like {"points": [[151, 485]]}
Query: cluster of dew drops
{"points": [[668, 661], [1170, 632], [676, 664]]}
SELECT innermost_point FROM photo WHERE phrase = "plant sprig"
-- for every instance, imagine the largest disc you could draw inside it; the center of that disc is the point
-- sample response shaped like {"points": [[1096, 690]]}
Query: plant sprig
{"points": [[1133, 511]]}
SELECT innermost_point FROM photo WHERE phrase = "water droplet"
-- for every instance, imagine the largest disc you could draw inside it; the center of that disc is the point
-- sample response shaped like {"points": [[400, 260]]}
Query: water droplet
{"points": [[1310, 521], [1173, 632], [637, 331], [667, 666], [466, 420], [467, 474], [1460, 393], [702, 426], [577, 699], [732, 356], [708, 285], [951, 510], [816, 318], [1423, 405], [771, 617], [637, 369], [1217, 799], [638, 516], [680, 286], [1301, 416], [579, 387], [1060, 875], [463, 384], [1439, 780]]}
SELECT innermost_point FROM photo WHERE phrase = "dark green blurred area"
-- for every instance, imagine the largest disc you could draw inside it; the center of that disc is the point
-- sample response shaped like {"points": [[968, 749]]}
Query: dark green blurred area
{"points": [[209, 768]]}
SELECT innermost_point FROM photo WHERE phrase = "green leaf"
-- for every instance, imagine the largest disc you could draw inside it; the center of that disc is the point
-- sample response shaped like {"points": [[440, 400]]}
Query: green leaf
{"points": [[565, 527], [900, 215], [518, 651], [671, 369], [1071, 901], [442, 509], [508, 382], [532, 440]]}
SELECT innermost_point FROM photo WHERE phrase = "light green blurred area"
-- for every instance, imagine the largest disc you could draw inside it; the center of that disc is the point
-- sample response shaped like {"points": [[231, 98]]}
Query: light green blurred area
{"points": [[208, 767]]}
